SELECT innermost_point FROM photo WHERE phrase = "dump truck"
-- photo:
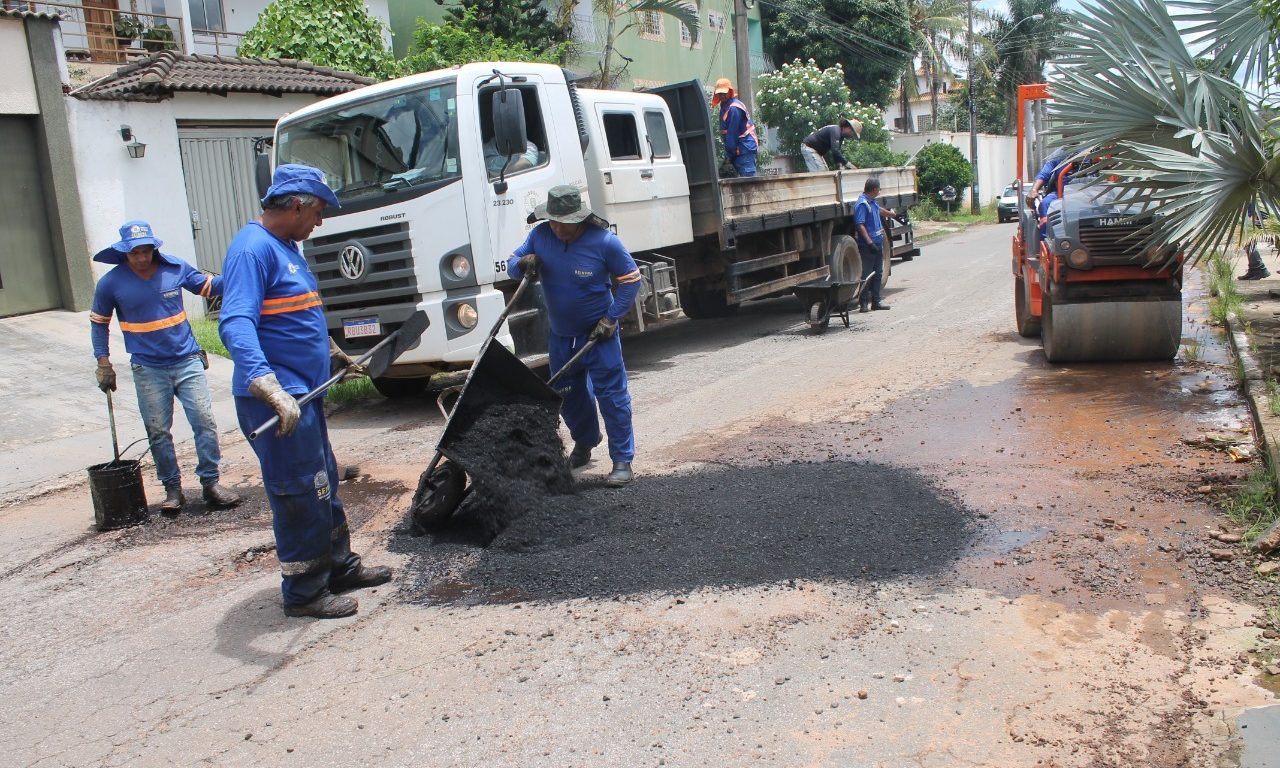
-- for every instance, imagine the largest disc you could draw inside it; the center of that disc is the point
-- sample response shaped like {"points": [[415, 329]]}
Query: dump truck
{"points": [[438, 175], [1089, 287]]}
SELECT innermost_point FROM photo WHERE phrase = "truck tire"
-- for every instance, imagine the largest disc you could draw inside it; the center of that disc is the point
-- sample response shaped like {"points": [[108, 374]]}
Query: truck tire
{"points": [[1028, 324], [396, 389], [700, 303], [845, 261], [886, 266]]}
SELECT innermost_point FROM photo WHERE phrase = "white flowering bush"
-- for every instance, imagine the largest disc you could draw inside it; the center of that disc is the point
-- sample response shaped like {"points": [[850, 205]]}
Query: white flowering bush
{"points": [[801, 97]]}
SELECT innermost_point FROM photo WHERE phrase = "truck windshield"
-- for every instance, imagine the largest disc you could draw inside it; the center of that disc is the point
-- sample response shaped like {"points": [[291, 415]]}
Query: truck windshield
{"points": [[369, 149]]}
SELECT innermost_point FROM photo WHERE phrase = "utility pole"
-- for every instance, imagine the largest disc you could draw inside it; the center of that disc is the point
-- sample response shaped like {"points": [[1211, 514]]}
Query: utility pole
{"points": [[742, 54], [973, 123]]}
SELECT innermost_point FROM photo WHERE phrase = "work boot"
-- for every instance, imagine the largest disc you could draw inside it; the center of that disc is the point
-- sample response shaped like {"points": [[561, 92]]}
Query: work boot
{"points": [[878, 307], [361, 578], [173, 501], [864, 308], [620, 476], [217, 496], [580, 455], [326, 606], [1255, 274]]}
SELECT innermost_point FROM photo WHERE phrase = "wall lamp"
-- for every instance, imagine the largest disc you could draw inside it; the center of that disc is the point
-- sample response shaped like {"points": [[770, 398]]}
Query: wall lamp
{"points": [[136, 148]]}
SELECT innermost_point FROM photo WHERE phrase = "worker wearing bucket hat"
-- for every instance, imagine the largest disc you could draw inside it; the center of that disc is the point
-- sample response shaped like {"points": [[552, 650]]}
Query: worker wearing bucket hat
{"points": [[273, 325], [740, 144], [578, 260], [144, 291], [827, 140]]}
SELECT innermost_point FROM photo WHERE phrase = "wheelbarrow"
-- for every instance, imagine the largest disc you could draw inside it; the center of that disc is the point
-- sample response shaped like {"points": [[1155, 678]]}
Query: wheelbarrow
{"points": [[496, 376], [824, 298]]}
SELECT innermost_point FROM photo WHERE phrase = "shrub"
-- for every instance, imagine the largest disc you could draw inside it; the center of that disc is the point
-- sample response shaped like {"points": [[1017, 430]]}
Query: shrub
{"points": [[940, 165], [440, 46], [800, 97], [332, 33]]}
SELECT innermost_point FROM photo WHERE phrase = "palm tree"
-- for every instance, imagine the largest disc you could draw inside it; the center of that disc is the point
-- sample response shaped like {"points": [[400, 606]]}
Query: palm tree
{"points": [[1022, 42], [1183, 135], [687, 12], [937, 30]]}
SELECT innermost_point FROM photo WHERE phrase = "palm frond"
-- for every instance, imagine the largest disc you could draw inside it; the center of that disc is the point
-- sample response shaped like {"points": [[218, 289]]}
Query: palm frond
{"points": [[1242, 43]]}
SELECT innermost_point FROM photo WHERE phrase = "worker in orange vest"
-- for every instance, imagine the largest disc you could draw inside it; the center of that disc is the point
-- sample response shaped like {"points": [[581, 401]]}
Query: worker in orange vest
{"points": [[735, 125]]}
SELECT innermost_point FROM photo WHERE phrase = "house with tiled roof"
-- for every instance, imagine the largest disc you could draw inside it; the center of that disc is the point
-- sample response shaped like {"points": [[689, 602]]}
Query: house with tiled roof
{"points": [[166, 136]]}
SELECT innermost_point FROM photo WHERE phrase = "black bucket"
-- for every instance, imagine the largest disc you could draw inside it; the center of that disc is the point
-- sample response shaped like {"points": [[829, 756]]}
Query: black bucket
{"points": [[118, 498]]}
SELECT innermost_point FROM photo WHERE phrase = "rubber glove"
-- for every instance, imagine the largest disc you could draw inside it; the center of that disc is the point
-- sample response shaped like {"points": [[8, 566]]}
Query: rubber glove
{"points": [[268, 390]]}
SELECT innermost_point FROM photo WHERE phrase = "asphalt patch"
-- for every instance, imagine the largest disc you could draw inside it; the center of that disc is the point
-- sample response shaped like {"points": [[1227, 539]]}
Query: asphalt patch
{"points": [[730, 527]]}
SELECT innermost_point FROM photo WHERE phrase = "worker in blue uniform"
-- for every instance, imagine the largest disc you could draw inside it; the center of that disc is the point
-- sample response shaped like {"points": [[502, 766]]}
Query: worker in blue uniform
{"points": [[578, 260], [144, 290], [869, 233], [740, 143], [273, 325]]}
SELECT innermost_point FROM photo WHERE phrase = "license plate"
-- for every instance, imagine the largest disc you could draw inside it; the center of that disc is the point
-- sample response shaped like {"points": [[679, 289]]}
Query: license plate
{"points": [[358, 327]]}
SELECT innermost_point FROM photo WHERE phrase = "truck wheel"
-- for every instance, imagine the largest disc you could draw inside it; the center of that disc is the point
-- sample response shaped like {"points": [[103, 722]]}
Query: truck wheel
{"points": [[1028, 324], [701, 303], [845, 261], [886, 264], [395, 389]]}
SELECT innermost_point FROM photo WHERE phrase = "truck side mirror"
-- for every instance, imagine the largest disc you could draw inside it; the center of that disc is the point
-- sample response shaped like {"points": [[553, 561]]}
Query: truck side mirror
{"points": [[509, 133], [262, 173]]}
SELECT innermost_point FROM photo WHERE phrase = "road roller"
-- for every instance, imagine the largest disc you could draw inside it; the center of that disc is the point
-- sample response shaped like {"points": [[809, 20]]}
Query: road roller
{"points": [[1084, 280]]}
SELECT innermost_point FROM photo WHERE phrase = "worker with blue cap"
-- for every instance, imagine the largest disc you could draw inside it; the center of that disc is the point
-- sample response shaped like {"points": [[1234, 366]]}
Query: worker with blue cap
{"points": [[273, 325], [144, 290]]}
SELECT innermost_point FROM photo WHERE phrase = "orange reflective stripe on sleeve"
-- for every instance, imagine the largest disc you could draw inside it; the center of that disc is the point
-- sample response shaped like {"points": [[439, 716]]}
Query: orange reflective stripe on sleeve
{"points": [[154, 325], [630, 277], [94, 317], [283, 304], [208, 286]]}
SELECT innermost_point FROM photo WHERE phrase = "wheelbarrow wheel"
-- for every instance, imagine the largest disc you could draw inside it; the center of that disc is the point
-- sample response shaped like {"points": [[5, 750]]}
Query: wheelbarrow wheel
{"points": [[819, 317], [439, 493]]}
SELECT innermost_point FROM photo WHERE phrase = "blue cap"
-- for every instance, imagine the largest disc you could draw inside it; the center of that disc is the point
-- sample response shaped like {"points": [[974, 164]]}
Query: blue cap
{"points": [[132, 235], [294, 177]]}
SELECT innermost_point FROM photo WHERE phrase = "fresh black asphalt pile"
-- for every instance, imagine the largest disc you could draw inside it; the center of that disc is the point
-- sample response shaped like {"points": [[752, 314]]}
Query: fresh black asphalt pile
{"points": [[738, 526]]}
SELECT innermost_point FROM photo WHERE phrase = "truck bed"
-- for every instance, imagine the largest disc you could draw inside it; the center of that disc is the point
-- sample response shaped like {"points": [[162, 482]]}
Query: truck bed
{"points": [[742, 200]]}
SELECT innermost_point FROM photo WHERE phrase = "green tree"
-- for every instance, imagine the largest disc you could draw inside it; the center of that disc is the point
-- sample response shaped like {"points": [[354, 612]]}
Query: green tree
{"points": [[1191, 143], [869, 39], [332, 33], [801, 97], [440, 46], [622, 15], [526, 22], [941, 165], [1022, 42], [991, 108], [938, 29]]}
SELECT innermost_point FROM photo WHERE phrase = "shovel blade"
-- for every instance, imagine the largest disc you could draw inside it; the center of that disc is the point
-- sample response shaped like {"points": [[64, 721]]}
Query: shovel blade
{"points": [[406, 336]]}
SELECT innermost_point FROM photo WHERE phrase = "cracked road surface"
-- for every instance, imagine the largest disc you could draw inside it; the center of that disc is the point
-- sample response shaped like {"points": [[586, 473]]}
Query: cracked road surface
{"points": [[1070, 614]]}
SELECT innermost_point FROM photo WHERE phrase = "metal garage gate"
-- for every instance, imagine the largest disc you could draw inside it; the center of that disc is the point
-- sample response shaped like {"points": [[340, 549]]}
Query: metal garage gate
{"points": [[217, 163], [28, 277]]}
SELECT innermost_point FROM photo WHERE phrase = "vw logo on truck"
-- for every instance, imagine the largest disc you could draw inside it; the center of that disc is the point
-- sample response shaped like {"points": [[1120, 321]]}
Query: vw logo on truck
{"points": [[351, 262]]}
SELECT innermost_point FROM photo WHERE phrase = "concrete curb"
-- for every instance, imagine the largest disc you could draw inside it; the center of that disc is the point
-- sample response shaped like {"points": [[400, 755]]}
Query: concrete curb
{"points": [[1255, 390]]}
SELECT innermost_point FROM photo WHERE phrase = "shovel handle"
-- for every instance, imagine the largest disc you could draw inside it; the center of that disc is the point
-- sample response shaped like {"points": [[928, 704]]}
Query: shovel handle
{"points": [[111, 417], [551, 382]]}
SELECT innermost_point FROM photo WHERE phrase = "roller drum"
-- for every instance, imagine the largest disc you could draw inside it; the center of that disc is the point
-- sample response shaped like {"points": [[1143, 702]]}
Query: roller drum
{"points": [[1111, 330]]}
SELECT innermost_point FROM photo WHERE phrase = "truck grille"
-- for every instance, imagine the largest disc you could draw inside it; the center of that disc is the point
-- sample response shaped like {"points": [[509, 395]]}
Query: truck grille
{"points": [[1121, 244], [389, 277]]}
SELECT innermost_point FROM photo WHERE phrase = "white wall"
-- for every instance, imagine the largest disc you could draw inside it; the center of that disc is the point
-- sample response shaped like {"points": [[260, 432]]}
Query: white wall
{"points": [[18, 94], [997, 157], [115, 188]]}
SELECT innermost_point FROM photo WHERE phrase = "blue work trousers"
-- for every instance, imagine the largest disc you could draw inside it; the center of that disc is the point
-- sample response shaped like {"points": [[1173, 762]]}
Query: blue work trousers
{"points": [[745, 163], [872, 261], [599, 377], [313, 542], [157, 386]]}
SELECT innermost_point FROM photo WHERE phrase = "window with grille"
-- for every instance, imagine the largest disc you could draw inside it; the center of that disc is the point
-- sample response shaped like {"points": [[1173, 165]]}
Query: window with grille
{"points": [[716, 21], [651, 25]]}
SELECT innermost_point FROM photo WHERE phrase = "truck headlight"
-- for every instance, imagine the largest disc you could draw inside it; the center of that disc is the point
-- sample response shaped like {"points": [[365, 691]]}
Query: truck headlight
{"points": [[461, 266], [466, 316], [1079, 258]]}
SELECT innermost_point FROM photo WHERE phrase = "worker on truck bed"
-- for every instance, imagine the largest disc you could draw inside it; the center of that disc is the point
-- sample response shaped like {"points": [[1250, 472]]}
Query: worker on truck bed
{"points": [[869, 232], [145, 290], [578, 258], [273, 325], [826, 140], [739, 132]]}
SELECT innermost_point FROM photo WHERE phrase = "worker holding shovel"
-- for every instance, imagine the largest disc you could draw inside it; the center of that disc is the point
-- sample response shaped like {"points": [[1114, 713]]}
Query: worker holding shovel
{"points": [[144, 290], [274, 327], [578, 259]]}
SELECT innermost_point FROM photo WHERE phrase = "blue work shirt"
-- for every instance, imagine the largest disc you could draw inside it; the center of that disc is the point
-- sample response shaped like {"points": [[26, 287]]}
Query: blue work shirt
{"points": [[867, 212], [152, 318], [736, 127], [272, 318], [577, 277]]}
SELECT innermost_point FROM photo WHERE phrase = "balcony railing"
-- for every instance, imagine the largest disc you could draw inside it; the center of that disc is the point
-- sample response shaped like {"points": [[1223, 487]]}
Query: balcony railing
{"points": [[110, 35], [216, 41]]}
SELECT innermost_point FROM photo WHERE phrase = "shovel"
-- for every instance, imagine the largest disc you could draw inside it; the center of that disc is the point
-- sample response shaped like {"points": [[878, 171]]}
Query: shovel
{"points": [[377, 361]]}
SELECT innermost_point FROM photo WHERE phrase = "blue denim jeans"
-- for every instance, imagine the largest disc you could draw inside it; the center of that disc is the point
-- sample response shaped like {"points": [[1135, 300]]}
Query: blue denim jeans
{"points": [[157, 387]]}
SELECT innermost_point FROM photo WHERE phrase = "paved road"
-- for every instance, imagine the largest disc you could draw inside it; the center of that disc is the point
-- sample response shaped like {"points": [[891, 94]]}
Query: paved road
{"points": [[1075, 620]]}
